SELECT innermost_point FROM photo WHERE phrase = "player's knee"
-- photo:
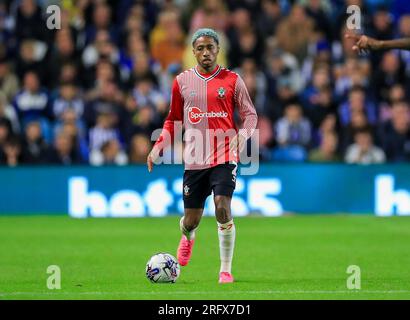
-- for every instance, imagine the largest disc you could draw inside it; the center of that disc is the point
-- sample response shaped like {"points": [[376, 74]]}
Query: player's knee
{"points": [[191, 223], [223, 215]]}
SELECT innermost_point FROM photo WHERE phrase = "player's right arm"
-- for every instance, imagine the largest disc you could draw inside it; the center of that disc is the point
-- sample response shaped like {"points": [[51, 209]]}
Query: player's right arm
{"points": [[363, 43], [175, 114]]}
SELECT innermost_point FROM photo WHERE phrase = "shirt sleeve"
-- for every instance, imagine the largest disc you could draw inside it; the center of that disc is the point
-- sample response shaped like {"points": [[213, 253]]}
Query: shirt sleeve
{"points": [[175, 114], [246, 109]]}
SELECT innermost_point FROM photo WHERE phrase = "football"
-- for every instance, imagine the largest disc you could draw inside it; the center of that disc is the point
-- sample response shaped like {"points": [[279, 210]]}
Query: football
{"points": [[162, 268]]}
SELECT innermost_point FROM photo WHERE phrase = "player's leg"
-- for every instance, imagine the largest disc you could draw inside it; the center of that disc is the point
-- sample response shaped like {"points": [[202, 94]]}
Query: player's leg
{"points": [[226, 235], [188, 224], [190, 221], [196, 189], [223, 180]]}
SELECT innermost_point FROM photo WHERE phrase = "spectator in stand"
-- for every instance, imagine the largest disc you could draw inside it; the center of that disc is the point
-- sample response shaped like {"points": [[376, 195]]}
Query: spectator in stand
{"points": [[245, 42], [293, 128], [34, 147], [140, 146], [70, 123], [5, 34], [70, 73], [101, 47], [146, 94], [32, 103], [68, 99], [320, 80], [30, 57], [389, 72], [327, 151], [30, 23], [167, 40], [404, 32], [358, 121], [109, 154], [62, 52], [283, 80], [144, 120], [8, 113], [352, 73], [397, 93], [105, 128], [300, 26], [64, 152], [211, 13], [357, 102], [322, 104], [329, 124], [363, 151], [105, 96], [9, 84], [103, 74], [142, 68], [135, 22], [394, 134], [135, 51], [12, 152], [318, 11], [102, 20], [382, 28], [269, 17], [5, 134], [256, 84]]}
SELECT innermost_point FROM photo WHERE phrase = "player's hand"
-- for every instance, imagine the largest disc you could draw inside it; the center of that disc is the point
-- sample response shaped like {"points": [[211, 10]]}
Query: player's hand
{"points": [[152, 156], [363, 43], [237, 143]]}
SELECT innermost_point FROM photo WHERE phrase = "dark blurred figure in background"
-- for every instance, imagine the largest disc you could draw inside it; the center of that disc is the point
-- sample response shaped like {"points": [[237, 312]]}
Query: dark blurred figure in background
{"points": [[34, 149], [394, 134], [63, 151], [363, 150], [327, 151]]}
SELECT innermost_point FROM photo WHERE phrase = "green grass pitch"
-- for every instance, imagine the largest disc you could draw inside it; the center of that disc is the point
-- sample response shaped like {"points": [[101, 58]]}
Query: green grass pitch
{"points": [[292, 257]]}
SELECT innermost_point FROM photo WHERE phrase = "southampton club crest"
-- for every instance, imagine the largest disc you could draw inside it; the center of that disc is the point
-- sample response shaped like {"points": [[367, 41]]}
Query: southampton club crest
{"points": [[221, 92], [186, 190]]}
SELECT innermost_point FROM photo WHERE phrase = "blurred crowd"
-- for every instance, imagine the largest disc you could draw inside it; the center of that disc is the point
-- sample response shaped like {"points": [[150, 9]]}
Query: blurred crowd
{"points": [[93, 91]]}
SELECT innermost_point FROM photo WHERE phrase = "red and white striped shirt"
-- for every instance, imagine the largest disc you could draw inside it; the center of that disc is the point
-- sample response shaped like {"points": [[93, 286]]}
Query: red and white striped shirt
{"points": [[205, 104]]}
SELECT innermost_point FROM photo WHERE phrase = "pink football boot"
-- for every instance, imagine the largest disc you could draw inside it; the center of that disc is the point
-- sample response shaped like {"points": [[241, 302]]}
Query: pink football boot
{"points": [[225, 277], [185, 250]]}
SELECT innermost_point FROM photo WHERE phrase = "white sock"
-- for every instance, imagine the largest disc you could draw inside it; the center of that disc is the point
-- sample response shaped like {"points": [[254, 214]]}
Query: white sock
{"points": [[226, 235], [189, 234]]}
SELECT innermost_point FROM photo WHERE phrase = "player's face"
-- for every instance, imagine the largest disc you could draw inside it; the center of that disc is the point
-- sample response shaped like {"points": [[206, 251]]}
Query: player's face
{"points": [[206, 51]]}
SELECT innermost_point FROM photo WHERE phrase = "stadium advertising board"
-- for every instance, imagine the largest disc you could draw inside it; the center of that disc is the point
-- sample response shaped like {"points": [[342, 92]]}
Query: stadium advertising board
{"points": [[130, 191]]}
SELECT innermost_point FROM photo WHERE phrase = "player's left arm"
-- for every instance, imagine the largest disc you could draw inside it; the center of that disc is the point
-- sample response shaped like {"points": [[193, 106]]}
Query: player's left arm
{"points": [[175, 114], [247, 113]]}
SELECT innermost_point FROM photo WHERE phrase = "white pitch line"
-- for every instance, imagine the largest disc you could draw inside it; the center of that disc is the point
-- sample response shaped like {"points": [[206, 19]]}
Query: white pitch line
{"points": [[4, 294]]}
